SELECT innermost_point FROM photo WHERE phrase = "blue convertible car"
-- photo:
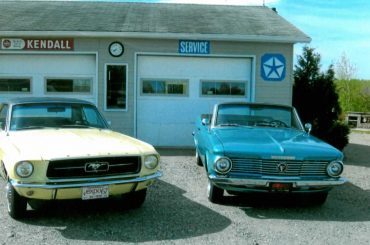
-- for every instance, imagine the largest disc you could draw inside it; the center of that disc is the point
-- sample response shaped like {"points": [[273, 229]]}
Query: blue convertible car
{"points": [[264, 147]]}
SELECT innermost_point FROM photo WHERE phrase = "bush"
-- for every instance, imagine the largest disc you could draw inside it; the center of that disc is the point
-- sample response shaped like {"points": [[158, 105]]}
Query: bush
{"points": [[316, 99], [337, 136]]}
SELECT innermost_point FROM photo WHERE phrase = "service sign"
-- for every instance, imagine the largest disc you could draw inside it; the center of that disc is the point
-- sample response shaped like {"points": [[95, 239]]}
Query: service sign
{"points": [[194, 47], [65, 44]]}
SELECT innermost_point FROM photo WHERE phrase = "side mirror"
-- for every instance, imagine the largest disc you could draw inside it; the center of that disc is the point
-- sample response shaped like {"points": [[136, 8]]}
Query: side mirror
{"points": [[205, 121], [308, 127]]}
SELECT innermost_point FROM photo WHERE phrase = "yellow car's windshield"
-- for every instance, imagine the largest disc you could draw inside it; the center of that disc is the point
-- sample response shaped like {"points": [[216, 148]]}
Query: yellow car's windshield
{"points": [[55, 115]]}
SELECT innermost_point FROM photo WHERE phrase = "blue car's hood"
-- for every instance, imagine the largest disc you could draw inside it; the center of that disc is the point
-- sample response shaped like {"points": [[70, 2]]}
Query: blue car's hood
{"points": [[270, 142]]}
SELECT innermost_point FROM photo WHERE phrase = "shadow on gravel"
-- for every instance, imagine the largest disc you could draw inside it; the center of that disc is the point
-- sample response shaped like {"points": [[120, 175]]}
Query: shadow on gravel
{"points": [[347, 203], [357, 155], [166, 214], [175, 151]]}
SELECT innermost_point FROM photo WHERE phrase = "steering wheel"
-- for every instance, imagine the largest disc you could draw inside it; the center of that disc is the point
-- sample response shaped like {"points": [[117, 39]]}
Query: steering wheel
{"points": [[278, 123]]}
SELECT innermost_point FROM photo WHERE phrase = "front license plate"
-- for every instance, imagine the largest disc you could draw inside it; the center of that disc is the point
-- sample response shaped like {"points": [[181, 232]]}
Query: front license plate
{"points": [[280, 186], [95, 192]]}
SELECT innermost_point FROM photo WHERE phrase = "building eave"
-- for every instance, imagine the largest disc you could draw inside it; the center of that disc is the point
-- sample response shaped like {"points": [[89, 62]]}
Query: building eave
{"points": [[150, 35]]}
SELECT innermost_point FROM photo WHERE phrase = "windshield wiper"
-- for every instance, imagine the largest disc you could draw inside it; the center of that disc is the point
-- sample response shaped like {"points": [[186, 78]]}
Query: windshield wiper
{"points": [[75, 126], [263, 124], [229, 125], [233, 125], [33, 127]]}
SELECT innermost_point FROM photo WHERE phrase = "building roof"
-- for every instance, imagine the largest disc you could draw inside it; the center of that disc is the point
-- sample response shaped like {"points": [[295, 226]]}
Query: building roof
{"points": [[147, 20]]}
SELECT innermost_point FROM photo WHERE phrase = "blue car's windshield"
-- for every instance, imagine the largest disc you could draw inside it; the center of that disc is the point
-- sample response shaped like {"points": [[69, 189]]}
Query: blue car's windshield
{"points": [[60, 115], [256, 116]]}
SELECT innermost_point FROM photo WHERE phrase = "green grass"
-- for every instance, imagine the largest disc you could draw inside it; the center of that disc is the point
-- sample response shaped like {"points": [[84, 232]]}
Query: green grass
{"points": [[360, 131]]}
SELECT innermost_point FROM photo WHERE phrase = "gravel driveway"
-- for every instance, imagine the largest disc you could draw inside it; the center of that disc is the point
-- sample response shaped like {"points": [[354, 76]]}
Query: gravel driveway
{"points": [[177, 212]]}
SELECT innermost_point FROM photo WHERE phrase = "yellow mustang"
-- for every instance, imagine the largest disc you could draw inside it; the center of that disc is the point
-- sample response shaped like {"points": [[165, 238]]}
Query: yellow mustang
{"points": [[55, 148]]}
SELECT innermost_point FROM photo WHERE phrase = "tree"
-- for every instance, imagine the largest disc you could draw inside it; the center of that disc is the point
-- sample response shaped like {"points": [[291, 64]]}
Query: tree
{"points": [[359, 94], [344, 72], [316, 99]]}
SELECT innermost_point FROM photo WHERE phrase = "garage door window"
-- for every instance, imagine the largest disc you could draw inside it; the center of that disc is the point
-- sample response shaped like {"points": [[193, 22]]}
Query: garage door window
{"points": [[68, 85], [21, 85], [116, 87], [164, 87], [223, 88]]}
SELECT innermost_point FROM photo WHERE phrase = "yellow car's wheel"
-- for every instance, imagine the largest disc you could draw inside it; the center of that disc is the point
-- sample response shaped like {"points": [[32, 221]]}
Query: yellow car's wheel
{"points": [[17, 205]]}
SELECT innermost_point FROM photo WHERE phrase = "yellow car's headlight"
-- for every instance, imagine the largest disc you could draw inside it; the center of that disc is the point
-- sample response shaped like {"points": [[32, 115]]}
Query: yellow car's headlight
{"points": [[151, 161], [24, 169]]}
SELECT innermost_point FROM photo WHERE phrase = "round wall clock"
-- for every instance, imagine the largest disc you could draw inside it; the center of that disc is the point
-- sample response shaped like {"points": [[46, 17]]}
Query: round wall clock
{"points": [[116, 49]]}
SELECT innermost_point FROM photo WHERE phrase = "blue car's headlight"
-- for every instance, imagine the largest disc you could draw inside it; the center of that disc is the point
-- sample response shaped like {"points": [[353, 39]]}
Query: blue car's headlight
{"points": [[223, 165], [334, 169]]}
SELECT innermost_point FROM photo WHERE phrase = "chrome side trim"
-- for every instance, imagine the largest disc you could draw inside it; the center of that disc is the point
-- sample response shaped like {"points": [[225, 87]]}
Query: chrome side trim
{"points": [[86, 182], [265, 182]]}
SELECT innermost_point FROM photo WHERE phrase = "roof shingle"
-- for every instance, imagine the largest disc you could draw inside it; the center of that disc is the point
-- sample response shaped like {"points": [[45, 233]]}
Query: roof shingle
{"points": [[146, 18]]}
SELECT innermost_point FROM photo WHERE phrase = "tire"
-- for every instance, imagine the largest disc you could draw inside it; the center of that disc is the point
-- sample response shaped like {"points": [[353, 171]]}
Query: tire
{"points": [[17, 205], [319, 199], [135, 199], [215, 194], [199, 161]]}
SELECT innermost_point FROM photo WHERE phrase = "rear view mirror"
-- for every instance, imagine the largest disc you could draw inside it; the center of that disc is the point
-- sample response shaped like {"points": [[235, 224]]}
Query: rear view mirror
{"points": [[205, 121], [308, 127]]}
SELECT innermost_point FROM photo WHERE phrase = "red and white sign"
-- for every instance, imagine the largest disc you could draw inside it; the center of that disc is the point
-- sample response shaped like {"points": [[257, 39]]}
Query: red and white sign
{"points": [[65, 44]]}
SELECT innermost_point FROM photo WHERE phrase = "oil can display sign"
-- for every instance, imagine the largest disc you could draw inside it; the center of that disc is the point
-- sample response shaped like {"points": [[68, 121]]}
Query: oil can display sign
{"points": [[61, 44]]}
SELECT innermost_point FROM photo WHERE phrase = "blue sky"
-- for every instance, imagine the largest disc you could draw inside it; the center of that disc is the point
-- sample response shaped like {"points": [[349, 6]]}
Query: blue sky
{"points": [[336, 27]]}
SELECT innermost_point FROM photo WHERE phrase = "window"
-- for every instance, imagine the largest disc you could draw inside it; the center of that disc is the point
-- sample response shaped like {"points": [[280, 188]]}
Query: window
{"points": [[64, 115], [22, 85], [116, 87], [164, 87], [223, 88], [68, 85], [257, 115], [3, 114]]}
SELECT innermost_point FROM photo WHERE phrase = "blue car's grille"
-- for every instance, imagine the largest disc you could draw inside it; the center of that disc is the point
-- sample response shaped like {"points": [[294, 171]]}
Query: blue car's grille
{"points": [[291, 168]]}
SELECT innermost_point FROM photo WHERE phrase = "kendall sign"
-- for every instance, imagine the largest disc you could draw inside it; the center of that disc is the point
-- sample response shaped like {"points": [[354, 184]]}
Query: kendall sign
{"points": [[37, 44]]}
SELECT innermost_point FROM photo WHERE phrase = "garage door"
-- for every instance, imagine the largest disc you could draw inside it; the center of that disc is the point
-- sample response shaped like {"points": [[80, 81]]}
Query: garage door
{"points": [[173, 91], [48, 75]]}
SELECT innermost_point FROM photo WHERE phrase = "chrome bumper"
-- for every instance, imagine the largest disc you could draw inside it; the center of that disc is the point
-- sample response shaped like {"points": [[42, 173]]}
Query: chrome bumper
{"points": [[296, 183], [77, 183]]}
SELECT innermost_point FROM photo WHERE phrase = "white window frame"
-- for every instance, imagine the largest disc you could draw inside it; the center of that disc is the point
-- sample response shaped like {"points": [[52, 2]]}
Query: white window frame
{"points": [[18, 77], [175, 81], [106, 83], [245, 82], [71, 78]]}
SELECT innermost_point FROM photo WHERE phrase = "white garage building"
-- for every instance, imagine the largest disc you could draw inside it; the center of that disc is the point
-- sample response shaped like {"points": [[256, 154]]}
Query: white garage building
{"points": [[150, 68]]}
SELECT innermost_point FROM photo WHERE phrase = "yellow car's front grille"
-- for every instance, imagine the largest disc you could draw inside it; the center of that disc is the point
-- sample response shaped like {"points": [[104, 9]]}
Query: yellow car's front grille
{"points": [[93, 167]]}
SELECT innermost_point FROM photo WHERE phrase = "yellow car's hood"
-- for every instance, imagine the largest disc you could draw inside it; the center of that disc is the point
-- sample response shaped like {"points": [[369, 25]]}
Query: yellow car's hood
{"points": [[47, 144]]}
